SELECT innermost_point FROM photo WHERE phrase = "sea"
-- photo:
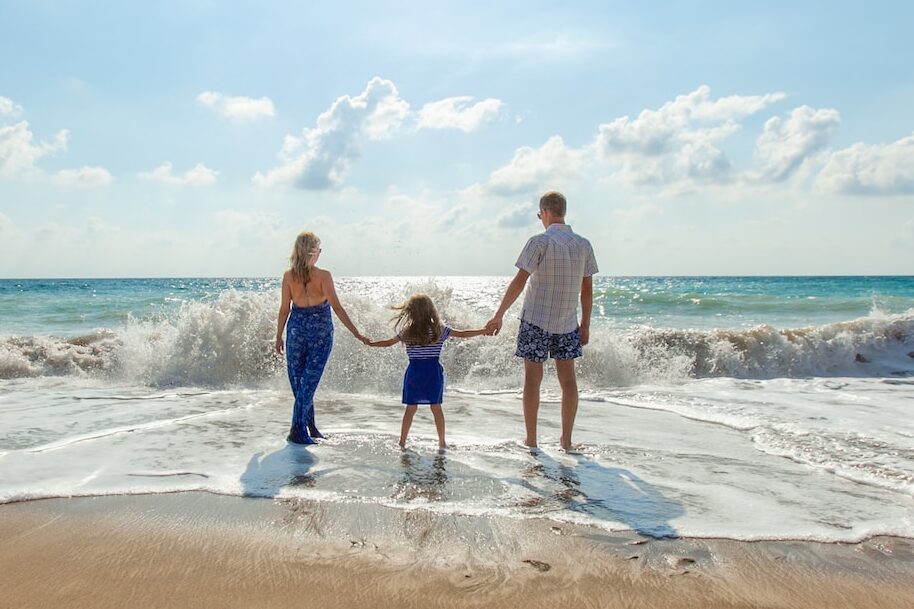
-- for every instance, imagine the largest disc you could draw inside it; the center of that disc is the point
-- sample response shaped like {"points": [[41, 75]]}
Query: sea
{"points": [[730, 407]]}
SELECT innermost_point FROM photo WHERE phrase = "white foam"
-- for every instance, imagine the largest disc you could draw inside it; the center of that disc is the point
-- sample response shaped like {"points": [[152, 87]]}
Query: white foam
{"points": [[643, 464]]}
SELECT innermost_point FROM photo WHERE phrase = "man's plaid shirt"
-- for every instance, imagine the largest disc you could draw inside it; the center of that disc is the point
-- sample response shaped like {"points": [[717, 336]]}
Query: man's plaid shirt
{"points": [[557, 260]]}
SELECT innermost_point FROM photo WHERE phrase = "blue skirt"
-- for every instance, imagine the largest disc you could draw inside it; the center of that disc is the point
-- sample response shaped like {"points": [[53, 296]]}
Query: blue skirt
{"points": [[423, 382]]}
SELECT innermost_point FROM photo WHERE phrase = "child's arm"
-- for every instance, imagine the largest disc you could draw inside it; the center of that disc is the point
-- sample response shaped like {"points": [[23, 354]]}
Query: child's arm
{"points": [[384, 343], [467, 333]]}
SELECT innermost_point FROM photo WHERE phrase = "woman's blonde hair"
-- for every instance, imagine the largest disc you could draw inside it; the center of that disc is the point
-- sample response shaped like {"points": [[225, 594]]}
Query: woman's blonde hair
{"points": [[417, 322], [306, 245]]}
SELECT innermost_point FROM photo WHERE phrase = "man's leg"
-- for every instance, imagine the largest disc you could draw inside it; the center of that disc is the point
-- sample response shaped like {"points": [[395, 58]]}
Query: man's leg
{"points": [[564, 368], [533, 378]]}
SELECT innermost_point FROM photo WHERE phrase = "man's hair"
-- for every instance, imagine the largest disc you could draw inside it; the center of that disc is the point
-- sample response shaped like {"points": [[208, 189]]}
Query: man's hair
{"points": [[554, 202]]}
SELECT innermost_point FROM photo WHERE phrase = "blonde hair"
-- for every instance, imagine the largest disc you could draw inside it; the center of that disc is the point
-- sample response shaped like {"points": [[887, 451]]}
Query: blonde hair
{"points": [[555, 203], [306, 245], [417, 322]]}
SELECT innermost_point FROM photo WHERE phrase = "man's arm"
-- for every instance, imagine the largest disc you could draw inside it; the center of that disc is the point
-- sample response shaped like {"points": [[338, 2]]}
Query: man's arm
{"points": [[515, 289], [586, 308]]}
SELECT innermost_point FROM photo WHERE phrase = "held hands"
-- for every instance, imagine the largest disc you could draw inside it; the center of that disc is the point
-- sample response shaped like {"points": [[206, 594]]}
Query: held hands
{"points": [[493, 326]]}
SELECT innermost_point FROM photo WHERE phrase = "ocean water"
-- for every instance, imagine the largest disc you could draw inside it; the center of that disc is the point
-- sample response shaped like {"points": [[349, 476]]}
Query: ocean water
{"points": [[748, 408]]}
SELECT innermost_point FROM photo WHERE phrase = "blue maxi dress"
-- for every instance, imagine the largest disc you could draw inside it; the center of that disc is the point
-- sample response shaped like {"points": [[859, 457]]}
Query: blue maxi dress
{"points": [[309, 339]]}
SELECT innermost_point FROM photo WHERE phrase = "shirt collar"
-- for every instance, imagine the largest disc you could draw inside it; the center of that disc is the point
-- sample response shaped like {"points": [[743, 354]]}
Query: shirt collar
{"points": [[558, 226]]}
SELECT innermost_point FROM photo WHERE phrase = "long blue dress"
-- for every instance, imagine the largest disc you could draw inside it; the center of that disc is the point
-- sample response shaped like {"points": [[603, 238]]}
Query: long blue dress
{"points": [[309, 339]]}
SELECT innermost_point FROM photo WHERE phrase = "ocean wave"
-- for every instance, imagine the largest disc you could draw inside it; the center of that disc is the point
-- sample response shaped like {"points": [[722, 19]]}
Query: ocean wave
{"points": [[228, 341]]}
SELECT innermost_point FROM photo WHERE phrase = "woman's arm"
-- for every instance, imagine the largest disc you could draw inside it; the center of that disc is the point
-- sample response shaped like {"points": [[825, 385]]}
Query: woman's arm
{"points": [[467, 333], [383, 343], [330, 291], [284, 300]]}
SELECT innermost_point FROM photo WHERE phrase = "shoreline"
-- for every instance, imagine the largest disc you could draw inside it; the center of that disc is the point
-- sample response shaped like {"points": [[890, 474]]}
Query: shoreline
{"points": [[874, 537], [171, 550]]}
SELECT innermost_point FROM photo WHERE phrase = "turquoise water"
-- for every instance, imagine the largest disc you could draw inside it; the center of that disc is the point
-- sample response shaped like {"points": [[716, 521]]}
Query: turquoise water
{"points": [[69, 307]]}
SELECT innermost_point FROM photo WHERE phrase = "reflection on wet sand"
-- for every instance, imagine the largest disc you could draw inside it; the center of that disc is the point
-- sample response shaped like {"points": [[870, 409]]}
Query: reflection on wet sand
{"points": [[422, 478]]}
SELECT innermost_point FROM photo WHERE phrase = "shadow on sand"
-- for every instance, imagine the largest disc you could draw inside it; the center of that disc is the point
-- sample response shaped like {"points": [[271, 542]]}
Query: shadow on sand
{"points": [[267, 474], [580, 484]]}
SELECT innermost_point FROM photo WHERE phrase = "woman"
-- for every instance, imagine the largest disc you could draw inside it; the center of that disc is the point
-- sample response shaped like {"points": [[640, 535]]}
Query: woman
{"points": [[310, 294]]}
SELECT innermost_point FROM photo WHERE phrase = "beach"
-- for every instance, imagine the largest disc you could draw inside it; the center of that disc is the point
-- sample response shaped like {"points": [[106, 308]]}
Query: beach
{"points": [[727, 452], [203, 550]]}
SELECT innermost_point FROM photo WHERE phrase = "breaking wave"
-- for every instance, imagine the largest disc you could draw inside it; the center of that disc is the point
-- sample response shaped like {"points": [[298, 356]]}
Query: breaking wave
{"points": [[229, 341]]}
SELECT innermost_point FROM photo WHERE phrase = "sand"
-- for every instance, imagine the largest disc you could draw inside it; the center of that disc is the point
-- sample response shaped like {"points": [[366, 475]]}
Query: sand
{"points": [[202, 550]]}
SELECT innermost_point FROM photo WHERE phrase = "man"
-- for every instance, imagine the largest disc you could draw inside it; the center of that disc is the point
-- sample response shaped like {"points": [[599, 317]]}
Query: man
{"points": [[561, 265]]}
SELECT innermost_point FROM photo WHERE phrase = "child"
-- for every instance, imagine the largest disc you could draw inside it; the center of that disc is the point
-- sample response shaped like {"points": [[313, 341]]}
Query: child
{"points": [[420, 329]]}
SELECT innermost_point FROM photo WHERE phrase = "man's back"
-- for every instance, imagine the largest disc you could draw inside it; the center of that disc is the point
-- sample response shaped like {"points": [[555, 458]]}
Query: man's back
{"points": [[557, 260]]}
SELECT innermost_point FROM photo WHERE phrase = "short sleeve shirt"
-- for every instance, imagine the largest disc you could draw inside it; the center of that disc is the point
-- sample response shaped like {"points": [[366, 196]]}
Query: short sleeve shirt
{"points": [[557, 260]]}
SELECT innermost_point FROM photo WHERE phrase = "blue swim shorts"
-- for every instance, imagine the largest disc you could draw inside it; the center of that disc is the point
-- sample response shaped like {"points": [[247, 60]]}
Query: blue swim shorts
{"points": [[535, 344]]}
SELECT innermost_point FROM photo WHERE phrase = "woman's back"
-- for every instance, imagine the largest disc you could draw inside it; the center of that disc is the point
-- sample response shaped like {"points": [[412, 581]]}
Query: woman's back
{"points": [[311, 294]]}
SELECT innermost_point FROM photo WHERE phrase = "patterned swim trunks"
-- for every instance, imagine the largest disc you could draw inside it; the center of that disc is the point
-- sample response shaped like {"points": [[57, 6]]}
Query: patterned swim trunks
{"points": [[535, 344]]}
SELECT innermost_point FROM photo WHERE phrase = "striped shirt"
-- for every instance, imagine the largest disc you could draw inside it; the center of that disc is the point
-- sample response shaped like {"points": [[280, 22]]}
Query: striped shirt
{"points": [[557, 260], [432, 351]]}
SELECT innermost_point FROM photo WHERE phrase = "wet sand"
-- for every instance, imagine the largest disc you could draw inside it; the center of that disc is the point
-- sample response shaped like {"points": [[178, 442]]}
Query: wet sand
{"points": [[202, 550]]}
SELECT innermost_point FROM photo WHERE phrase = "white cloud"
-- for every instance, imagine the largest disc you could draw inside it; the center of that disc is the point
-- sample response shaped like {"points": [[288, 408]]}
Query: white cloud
{"points": [[319, 159], [404, 205], [517, 216], [458, 113], [785, 145], [18, 153], [686, 118], [200, 175], [8, 108], [536, 169], [561, 46], [7, 228], [256, 224], [678, 140], [879, 169], [86, 176], [237, 108]]}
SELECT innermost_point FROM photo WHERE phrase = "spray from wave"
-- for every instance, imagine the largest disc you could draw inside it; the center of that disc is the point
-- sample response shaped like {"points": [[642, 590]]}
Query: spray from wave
{"points": [[229, 341]]}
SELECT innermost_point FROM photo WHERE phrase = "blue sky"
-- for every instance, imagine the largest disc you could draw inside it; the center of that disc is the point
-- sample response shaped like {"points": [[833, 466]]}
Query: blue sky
{"points": [[198, 138]]}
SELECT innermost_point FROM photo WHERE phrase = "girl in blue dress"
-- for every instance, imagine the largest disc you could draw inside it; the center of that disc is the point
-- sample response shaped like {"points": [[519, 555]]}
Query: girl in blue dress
{"points": [[420, 329]]}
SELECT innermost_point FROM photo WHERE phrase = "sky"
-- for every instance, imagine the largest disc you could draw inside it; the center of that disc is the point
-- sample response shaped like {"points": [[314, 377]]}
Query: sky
{"points": [[164, 139]]}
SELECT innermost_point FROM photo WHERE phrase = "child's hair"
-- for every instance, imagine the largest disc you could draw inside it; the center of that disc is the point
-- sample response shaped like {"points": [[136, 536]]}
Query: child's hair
{"points": [[306, 245], [417, 322]]}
